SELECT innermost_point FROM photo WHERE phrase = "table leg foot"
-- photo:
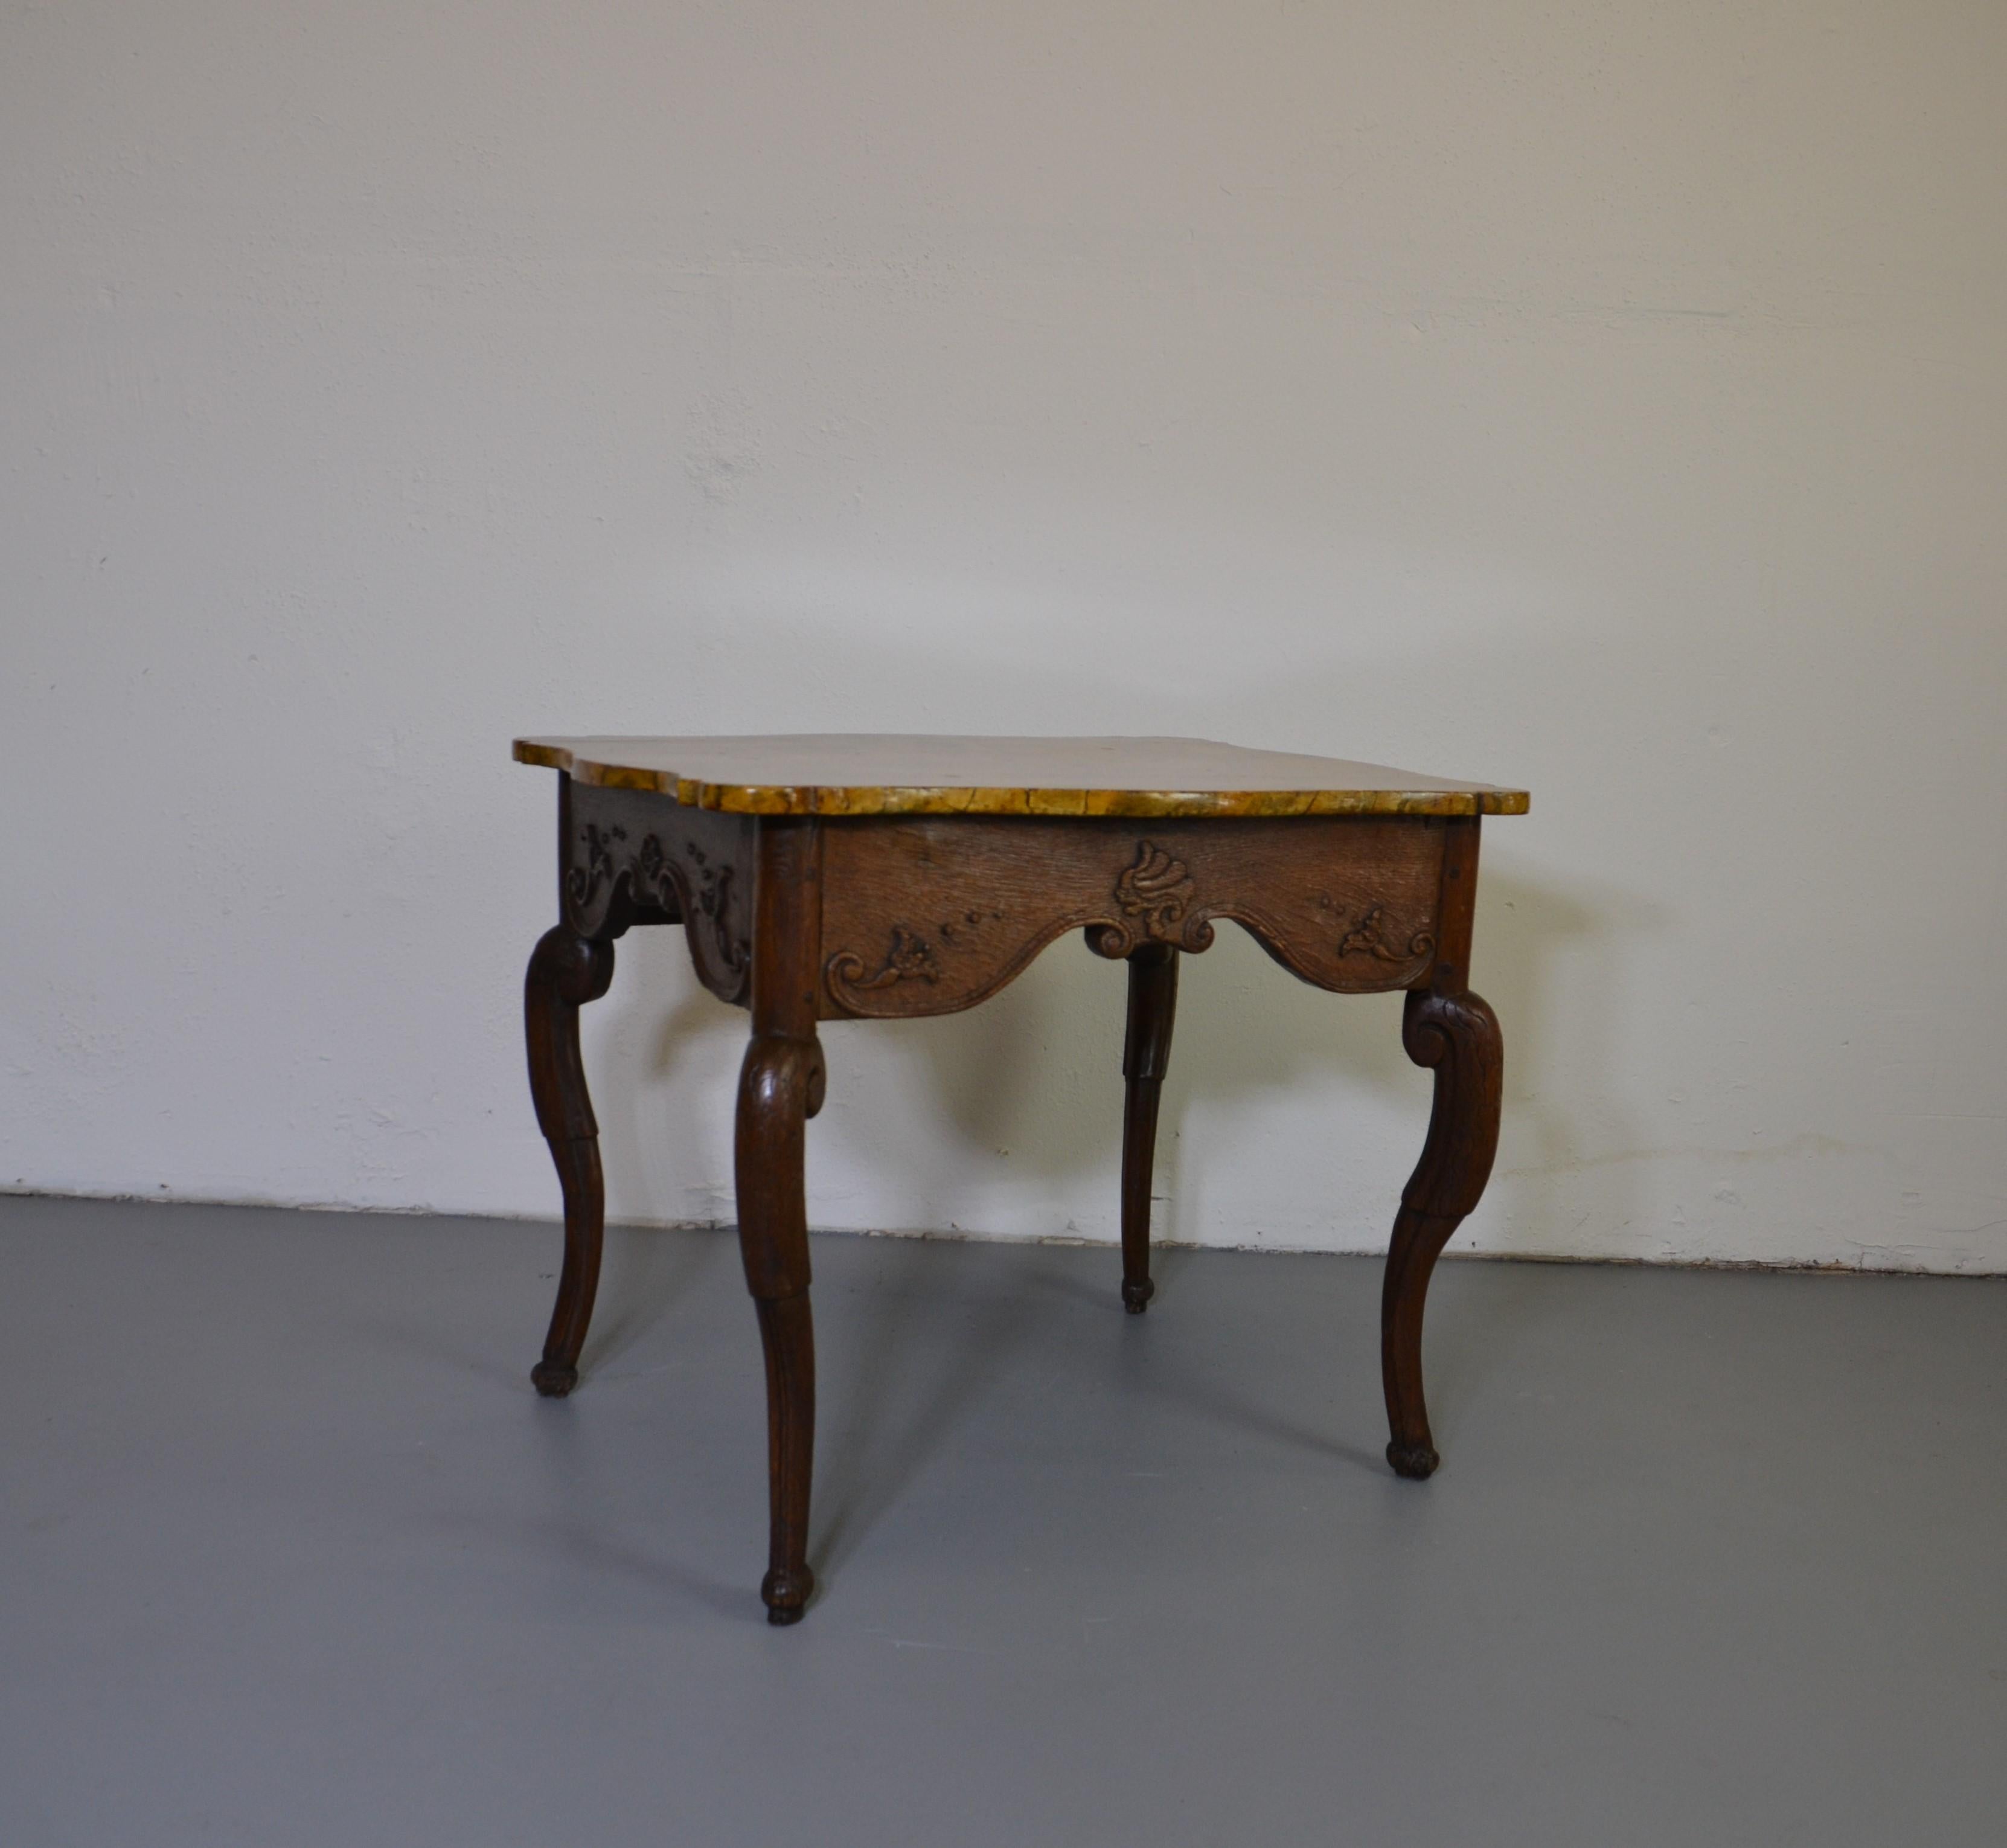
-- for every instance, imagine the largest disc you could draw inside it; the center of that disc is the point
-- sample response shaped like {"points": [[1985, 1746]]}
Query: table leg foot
{"points": [[787, 1334], [1415, 1462], [786, 1594], [553, 1380], [1456, 1033], [1136, 1294]]}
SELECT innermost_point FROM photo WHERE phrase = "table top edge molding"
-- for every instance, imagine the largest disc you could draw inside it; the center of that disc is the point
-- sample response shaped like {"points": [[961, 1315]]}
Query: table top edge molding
{"points": [[838, 800]]}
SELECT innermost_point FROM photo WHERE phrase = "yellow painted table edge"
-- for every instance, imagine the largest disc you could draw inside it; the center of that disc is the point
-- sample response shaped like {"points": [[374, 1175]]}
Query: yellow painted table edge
{"points": [[770, 799]]}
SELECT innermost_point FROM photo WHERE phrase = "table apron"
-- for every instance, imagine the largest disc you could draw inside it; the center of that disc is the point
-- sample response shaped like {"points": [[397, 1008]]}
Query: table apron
{"points": [[632, 856], [930, 915]]}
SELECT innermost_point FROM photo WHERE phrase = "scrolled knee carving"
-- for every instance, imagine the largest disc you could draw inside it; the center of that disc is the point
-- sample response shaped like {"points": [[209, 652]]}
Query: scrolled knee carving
{"points": [[780, 1086], [1433, 1024], [576, 969], [1455, 1034], [782, 1076], [566, 972]]}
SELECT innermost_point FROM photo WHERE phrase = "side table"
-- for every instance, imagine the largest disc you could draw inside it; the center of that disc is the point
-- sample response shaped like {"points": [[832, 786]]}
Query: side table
{"points": [[881, 878]]}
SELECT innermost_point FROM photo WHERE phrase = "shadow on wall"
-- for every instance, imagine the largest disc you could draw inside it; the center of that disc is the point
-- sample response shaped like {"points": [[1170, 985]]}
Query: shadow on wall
{"points": [[1533, 938], [1036, 1071], [932, 1106]]}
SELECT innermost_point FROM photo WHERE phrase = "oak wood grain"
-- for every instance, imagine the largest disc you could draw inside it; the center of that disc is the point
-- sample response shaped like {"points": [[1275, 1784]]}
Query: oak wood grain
{"points": [[931, 914]]}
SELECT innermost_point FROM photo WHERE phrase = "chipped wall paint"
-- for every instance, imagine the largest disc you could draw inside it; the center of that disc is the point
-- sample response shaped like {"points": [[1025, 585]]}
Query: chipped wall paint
{"points": [[1609, 401]]}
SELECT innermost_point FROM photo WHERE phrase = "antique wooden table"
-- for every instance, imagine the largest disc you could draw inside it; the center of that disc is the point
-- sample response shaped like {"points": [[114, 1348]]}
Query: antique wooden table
{"points": [[840, 877]]}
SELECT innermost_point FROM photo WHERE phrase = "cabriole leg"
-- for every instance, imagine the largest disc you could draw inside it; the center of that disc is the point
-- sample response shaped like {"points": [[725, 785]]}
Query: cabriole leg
{"points": [[780, 1088], [1457, 1034], [566, 971], [1146, 1054]]}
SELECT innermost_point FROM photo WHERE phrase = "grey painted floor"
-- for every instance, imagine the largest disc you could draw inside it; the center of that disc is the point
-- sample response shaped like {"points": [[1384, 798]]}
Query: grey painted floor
{"points": [[291, 1555]]}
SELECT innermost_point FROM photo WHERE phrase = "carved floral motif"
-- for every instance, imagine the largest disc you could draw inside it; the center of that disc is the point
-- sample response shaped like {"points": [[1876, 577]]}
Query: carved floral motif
{"points": [[654, 872], [1370, 937], [689, 886], [583, 882], [911, 958], [932, 916]]}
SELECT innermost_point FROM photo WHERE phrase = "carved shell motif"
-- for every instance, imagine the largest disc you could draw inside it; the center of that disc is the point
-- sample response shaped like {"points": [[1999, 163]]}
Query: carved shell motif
{"points": [[1157, 888], [1156, 892]]}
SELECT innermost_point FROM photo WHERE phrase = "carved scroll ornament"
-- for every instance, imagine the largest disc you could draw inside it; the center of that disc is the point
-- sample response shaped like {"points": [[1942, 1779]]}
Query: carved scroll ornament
{"points": [[910, 958], [611, 885]]}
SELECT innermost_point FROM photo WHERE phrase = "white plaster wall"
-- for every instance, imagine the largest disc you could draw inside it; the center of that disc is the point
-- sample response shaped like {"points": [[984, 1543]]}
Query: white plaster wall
{"points": [[1608, 398]]}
